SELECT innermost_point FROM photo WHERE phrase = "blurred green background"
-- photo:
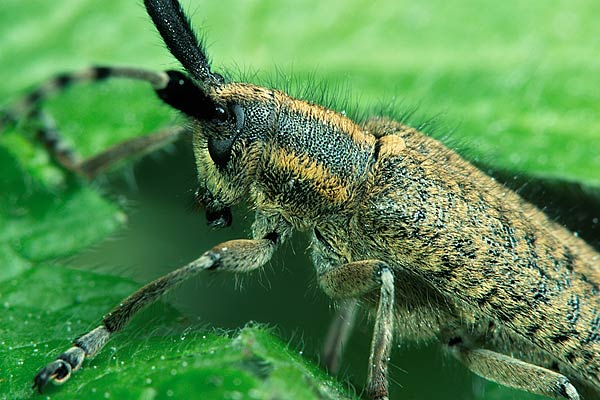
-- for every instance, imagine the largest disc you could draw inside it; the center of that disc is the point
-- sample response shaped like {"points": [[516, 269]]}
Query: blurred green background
{"points": [[512, 85]]}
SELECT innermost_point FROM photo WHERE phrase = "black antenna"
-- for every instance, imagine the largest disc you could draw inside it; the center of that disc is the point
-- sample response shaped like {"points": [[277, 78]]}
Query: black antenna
{"points": [[181, 40]]}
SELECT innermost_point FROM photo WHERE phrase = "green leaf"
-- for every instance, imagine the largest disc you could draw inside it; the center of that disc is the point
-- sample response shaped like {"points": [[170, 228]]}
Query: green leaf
{"points": [[249, 364], [514, 83], [38, 224], [516, 86]]}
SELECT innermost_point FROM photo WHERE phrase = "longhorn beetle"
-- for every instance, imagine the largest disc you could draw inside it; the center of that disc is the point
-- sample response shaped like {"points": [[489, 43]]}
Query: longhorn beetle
{"points": [[431, 244]]}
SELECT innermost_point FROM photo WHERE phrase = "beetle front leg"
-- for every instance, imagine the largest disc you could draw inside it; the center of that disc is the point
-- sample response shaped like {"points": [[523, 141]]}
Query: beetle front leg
{"points": [[29, 108], [242, 255], [354, 280]]}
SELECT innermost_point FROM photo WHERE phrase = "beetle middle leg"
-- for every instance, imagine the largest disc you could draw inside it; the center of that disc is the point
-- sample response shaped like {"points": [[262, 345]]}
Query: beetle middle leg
{"points": [[338, 334], [353, 280], [238, 256]]}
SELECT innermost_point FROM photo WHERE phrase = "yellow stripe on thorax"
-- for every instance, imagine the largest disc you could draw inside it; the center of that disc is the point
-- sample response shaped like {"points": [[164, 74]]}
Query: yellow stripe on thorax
{"points": [[300, 170]]}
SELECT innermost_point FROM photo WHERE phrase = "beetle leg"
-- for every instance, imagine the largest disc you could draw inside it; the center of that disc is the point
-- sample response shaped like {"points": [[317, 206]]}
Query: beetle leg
{"points": [[509, 371], [30, 108], [354, 280], [99, 163], [338, 334], [243, 255]]}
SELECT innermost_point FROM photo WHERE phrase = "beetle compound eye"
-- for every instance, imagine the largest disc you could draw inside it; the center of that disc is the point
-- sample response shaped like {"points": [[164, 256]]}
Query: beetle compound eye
{"points": [[220, 150], [221, 114], [240, 117]]}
